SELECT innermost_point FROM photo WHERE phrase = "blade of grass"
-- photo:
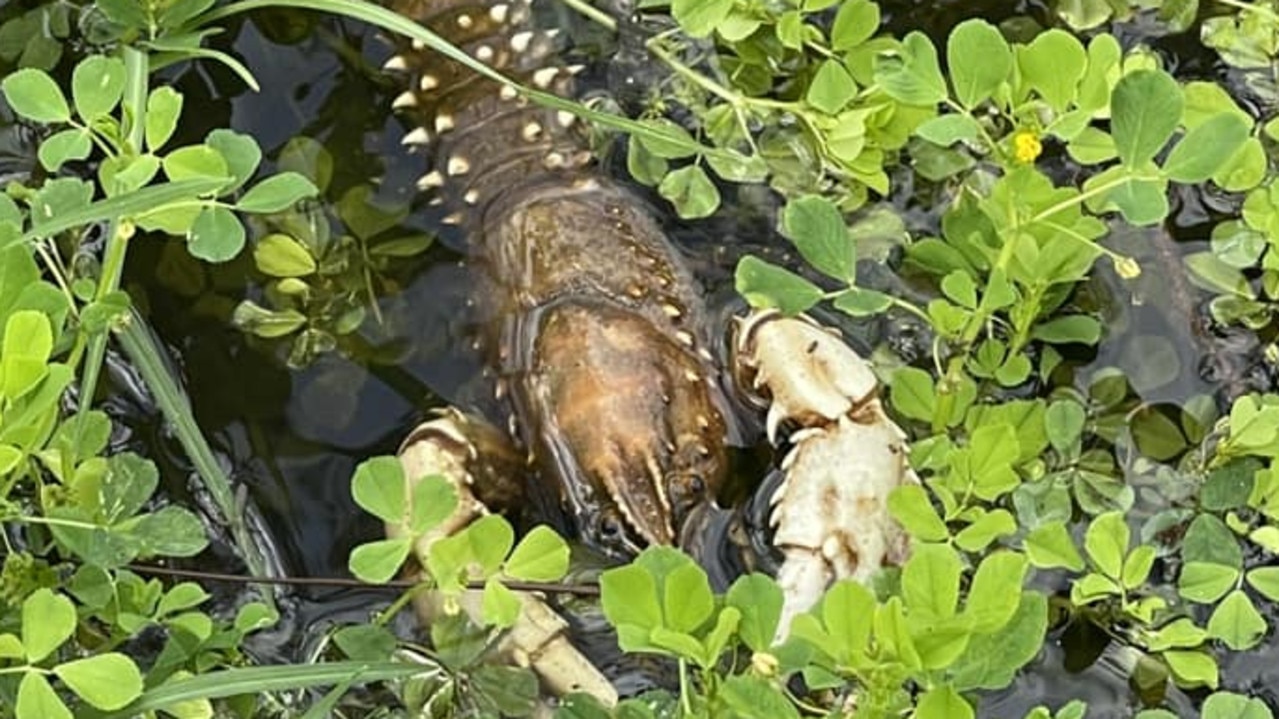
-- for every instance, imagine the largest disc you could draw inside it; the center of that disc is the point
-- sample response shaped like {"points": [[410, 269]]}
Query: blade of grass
{"points": [[135, 203], [396, 23], [145, 354], [256, 680]]}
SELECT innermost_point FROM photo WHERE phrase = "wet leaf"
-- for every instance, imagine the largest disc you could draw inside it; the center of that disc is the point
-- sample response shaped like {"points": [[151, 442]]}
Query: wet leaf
{"points": [[279, 255], [930, 581], [1065, 329], [831, 88], [1208, 539], [1156, 436], [28, 341], [107, 681], [1146, 108], [170, 532], [855, 23], [216, 235], [48, 620], [499, 605], [1228, 487], [164, 106], [377, 562], [765, 285], [1206, 148], [1050, 545], [844, 611], [979, 60], [687, 600], [196, 161], [541, 556], [365, 642], [817, 228], [276, 193], [35, 96], [699, 18], [911, 507], [1207, 270], [912, 75], [251, 317], [96, 85], [1237, 245], [691, 192], [946, 130], [37, 700], [1236, 622], [752, 697], [1228, 705], [129, 482], [66, 146], [1106, 542], [759, 600], [1053, 65], [240, 152], [943, 703], [378, 486]]}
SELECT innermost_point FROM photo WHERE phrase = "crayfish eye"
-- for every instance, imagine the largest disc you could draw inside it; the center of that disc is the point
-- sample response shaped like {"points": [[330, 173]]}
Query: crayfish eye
{"points": [[610, 528]]}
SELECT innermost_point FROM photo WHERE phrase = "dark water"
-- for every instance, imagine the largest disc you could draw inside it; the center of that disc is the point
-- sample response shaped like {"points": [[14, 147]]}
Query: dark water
{"points": [[292, 438]]}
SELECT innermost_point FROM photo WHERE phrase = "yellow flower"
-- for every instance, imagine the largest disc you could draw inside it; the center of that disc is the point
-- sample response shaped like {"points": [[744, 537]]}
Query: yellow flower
{"points": [[1026, 146]]}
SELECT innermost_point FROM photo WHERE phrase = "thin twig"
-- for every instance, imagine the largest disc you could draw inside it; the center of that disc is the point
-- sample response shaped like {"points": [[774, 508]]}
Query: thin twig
{"points": [[581, 590]]}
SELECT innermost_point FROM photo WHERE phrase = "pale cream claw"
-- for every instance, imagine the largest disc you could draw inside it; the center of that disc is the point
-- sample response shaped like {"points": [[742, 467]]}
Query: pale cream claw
{"points": [[448, 446], [830, 514]]}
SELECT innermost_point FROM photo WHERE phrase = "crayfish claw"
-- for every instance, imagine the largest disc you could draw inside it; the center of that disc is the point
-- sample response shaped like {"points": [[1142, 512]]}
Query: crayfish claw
{"points": [[466, 452], [830, 513]]}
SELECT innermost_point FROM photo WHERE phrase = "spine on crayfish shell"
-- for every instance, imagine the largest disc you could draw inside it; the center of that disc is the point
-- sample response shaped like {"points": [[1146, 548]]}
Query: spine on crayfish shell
{"points": [[481, 138]]}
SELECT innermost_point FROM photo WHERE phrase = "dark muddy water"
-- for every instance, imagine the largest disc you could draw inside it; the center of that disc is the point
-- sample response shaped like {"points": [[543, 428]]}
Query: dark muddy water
{"points": [[293, 437]]}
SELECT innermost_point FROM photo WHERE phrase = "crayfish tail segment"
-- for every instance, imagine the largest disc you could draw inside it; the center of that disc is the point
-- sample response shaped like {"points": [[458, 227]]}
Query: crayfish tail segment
{"points": [[469, 454], [830, 515]]}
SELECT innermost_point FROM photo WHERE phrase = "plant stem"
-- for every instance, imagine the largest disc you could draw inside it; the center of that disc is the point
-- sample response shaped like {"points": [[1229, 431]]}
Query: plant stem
{"points": [[146, 357], [134, 107], [592, 13]]}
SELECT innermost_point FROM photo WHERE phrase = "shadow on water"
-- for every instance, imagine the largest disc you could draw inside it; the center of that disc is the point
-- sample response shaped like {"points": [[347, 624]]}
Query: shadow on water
{"points": [[293, 437]]}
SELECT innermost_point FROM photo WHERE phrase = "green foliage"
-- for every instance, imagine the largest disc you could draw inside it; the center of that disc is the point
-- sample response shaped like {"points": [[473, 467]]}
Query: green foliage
{"points": [[814, 99], [321, 285]]}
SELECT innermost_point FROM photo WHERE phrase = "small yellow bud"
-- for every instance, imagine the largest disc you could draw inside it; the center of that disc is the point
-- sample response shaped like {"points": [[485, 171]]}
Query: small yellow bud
{"points": [[1127, 267], [764, 664], [1026, 146]]}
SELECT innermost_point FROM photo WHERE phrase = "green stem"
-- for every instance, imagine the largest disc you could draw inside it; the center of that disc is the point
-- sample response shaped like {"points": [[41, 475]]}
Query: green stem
{"points": [[405, 597], [142, 351], [1086, 195], [24, 670], [592, 13], [134, 107], [985, 136]]}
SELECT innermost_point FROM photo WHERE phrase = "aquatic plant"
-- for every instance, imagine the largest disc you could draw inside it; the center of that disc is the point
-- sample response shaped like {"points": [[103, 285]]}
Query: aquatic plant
{"points": [[814, 98]]}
